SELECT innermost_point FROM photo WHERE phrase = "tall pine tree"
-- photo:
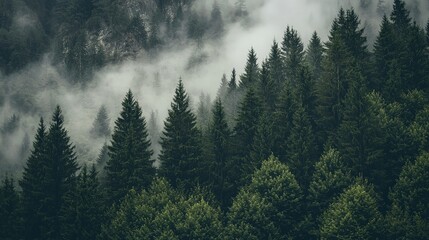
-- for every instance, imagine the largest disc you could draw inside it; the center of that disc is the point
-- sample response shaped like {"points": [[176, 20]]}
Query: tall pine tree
{"points": [[180, 141], [130, 164]]}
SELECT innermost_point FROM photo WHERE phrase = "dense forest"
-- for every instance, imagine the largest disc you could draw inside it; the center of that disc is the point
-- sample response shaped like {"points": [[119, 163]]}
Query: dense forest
{"points": [[328, 140]]}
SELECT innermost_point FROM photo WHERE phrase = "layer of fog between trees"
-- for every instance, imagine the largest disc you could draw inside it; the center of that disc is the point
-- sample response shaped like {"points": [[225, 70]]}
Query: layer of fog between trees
{"points": [[153, 78]]}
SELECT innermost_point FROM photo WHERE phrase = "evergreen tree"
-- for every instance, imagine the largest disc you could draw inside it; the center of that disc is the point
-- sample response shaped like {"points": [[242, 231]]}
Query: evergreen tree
{"points": [[130, 164], [100, 127], [268, 208], [180, 157], [11, 221], [59, 176], [203, 112], [408, 217], [264, 140], [276, 66], [244, 134], [251, 72], [216, 22], [283, 117], [314, 56], [266, 89], [31, 185], [301, 147], [346, 47], [232, 85], [360, 136], [223, 88], [354, 215], [329, 180], [220, 138], [293, 53], [83, 207]]}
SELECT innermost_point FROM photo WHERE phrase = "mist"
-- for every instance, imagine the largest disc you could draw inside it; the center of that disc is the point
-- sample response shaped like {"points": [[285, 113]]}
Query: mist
{"points": [[34, 91]]}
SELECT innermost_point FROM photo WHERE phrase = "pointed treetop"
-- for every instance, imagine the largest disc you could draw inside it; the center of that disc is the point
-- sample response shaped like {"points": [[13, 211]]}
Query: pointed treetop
{"points": [[400, 15], [233, 82]]}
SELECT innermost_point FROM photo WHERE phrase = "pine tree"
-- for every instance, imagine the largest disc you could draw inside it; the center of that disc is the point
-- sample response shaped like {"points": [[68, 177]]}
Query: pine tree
{"points": [[264, 141], [314, 56], [293, 53], [283, 117], [100, 127], [408, 217], [251, 72], [269, 207], [232, 85], [244, 134], [276, 66], [11, 221], [203, 112], [360, 135], [59, 176], [329, 180], [354, 215], [220, 138], [266, 89], [346, 47], [180, 157], [301, 147], [400, 15], [130, 164], [31, 185], [83, 207], [223, 88]]}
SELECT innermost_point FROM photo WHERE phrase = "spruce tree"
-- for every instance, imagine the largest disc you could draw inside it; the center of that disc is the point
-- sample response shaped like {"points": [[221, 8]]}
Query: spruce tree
{"points": [[130, 164], [100, 127], [31, 185], [251, 71], [329, 180], [408, 217], [293, 53], [360, 135], [354, 215], [180, 156], [314, 56], [11, 220], [83, 207], [301, 147], [59, 176], [266, 89], [276, 66], [244, 134], [220, 166]]}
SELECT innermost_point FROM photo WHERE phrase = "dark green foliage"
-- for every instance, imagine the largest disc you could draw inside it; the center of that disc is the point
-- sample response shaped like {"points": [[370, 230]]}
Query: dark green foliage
{"points": [[181, 162], [11, 221], [408, 218], [163, 213], [301, 147], [266, 89], [329, 180], [31, 185], [346, 49], [130, 164], [268, 208], [250, 76], [100, 127], [59, 176], [244, 134], [276, 66], [314, 56], [83, 207], [293, 53], [354, 215], [220, 166]]}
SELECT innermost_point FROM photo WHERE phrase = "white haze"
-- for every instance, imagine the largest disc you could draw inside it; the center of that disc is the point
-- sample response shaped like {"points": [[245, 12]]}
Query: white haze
{"points": [[268, 20]]}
